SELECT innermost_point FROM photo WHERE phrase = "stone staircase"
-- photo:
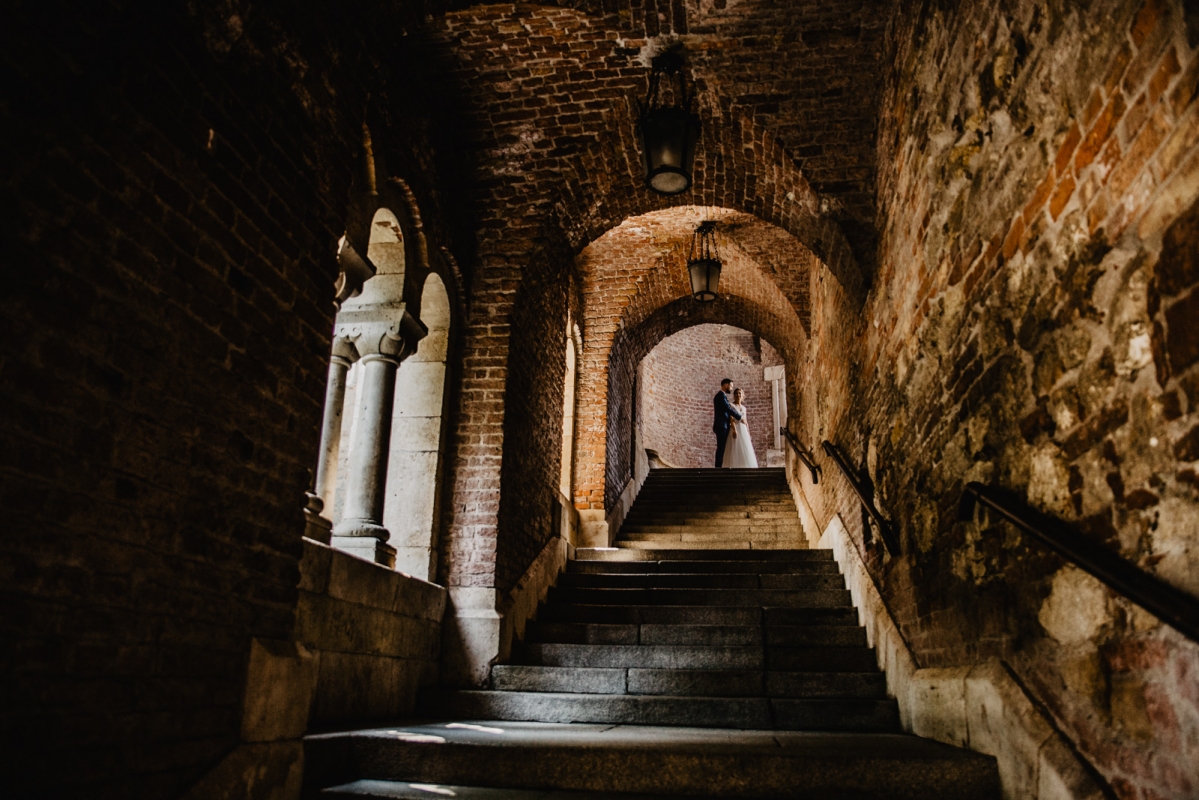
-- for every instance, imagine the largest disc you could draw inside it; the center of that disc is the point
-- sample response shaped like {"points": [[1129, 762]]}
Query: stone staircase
{"points": [[709, 653]]}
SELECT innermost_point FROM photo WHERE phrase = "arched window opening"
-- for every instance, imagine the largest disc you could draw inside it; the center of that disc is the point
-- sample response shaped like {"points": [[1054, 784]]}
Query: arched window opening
{"points": [[371, 335], [417, 440]]}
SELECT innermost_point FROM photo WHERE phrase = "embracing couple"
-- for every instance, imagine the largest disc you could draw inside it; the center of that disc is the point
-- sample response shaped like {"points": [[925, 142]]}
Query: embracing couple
{"points": [[728, 423]]}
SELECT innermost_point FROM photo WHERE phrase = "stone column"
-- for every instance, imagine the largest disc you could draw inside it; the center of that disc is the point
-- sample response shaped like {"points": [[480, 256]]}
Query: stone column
{"points": [[382, 345], [335, 398], [775, 376]]}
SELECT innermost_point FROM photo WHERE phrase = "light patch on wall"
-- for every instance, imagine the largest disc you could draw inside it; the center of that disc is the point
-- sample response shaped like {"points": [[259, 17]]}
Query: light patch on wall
{"points": [[1048, 480], [1076, 608]]}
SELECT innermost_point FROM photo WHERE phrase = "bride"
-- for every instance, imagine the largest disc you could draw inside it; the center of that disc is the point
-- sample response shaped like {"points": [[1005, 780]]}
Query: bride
{"points": [[741, 449]]}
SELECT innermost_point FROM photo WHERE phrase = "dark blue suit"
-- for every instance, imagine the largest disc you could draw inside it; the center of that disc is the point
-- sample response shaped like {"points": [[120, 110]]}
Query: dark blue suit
{"points": [[722, 409]]}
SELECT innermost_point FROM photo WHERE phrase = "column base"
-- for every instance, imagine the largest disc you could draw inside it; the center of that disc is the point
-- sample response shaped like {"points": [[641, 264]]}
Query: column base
{"points": [[367, 547], [593, 528], [472, 637]]}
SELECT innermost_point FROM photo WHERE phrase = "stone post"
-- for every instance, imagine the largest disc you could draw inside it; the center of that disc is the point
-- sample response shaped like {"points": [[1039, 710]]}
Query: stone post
{"points": [[363, 509], [335, 398], [316, 527], [775, 376]]}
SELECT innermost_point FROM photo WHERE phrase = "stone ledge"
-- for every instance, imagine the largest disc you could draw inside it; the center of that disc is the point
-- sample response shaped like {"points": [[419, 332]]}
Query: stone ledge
{"points": [[325, 570]]}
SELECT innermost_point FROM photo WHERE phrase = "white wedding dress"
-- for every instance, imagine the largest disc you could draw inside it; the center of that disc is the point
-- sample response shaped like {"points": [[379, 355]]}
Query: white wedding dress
{"points": [[739, 452]]}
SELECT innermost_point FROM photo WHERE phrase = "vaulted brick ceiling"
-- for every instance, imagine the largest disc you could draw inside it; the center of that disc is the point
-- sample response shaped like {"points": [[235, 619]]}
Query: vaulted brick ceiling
{"points": [[544, 97]]}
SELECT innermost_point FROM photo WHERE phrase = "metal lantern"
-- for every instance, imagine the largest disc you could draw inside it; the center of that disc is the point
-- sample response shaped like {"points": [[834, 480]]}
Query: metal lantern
{"points": [[668, 128], [704, 263]]}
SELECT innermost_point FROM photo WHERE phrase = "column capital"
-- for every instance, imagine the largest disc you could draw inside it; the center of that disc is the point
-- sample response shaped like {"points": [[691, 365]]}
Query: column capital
{"points": [[344, 353], [381, 331]]}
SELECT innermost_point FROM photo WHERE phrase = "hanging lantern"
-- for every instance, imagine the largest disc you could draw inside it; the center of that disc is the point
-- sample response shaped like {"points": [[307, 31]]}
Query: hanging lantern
{"points": [[668, 128], [704, 263]]}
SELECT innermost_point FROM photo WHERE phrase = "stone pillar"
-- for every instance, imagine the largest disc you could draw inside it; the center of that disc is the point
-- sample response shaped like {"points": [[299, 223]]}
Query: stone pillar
{"points": [[382, 345], [335, 398], [775, 376], [361, 528]]}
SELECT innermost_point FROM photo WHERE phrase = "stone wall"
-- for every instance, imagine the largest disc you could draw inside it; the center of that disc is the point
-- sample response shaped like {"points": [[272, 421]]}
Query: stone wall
{"points": [[174, 191], [678, 379], [1029, 327], [375, 632]]}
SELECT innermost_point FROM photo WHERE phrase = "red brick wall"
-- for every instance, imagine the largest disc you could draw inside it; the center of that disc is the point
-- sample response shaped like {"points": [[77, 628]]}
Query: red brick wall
{"points": [[174, 190], [1030, 327], [678, 379], [533, 418]]}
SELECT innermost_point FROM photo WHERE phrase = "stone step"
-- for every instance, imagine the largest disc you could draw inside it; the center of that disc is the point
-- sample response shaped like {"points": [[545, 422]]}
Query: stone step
{"points": [[815, 635], [797, 567], [709, 712], [682, 762], [825, 658], [650, 656], [708, 635], [704, 526], [810, 582], [695, 615], [698, 554], [702, 502], [747, 530], [832, 597], [402, 790], [699, 497], [711, 518], [583, 633], [653, 615], [682, 682], [711, 525], [640, 656], [720, 477], [723, 543], [773, 616]]}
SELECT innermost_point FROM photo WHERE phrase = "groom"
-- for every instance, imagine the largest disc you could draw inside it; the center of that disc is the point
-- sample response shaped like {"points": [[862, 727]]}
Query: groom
{"points": [[720, 421]]}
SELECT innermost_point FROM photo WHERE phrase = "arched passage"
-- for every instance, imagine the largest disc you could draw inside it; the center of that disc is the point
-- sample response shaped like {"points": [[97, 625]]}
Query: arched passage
{"points": [[631, 345], [629, 276]]}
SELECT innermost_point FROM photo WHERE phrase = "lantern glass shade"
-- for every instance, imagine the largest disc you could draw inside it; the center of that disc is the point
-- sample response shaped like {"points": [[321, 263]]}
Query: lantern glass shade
{"points": [[668, 138], [668, 128], [705, 278]]}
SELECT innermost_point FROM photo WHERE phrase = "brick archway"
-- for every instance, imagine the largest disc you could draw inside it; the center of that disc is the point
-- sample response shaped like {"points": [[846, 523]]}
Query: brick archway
{"points": [[636, 292], [631, 345], [542, 103], [548, 103]]}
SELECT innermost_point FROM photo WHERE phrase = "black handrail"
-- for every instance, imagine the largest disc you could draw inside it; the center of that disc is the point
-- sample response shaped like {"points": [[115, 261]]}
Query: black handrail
{"points": [[803, 454], [884, 527], [1174, 606]]}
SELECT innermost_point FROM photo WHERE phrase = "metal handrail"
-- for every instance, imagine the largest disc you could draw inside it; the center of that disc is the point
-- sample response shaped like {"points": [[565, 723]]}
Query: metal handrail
{"points": [[1173, 606], [803, 454], [884, 527]]}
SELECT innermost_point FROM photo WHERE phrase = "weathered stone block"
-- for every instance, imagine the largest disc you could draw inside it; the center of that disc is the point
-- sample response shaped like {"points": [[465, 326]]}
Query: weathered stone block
{"points": [[280, 682], [938, 702]]}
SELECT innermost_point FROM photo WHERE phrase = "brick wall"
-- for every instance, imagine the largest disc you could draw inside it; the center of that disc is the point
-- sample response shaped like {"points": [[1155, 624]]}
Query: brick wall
{"points": [[678, 379], [1030, 327], [174, 190], [533, 418]]}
